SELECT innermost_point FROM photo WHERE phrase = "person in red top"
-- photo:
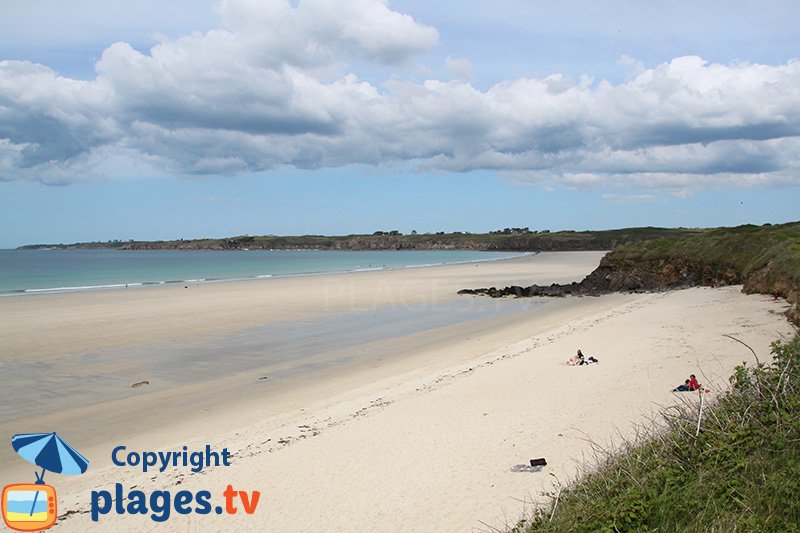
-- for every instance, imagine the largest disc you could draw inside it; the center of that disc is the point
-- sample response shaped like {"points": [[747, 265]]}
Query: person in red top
{"points": [[690, 384]]}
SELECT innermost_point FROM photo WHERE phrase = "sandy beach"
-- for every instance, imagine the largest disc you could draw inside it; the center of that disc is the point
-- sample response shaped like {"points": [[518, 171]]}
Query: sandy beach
{"points": [[428, 429]]}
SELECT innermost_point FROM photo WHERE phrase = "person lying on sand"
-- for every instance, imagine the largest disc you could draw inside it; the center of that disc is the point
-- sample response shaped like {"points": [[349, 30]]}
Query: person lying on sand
{"points": [[682, 388], [576, 359], [579, 359]]}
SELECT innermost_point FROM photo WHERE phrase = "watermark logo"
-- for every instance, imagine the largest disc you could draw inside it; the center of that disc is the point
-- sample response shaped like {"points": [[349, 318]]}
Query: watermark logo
{"points": [[160, 505], [33, 506]]}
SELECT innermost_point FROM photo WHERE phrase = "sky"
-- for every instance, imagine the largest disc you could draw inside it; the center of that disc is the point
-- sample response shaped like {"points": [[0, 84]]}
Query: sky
{"points": [[186, 119]]}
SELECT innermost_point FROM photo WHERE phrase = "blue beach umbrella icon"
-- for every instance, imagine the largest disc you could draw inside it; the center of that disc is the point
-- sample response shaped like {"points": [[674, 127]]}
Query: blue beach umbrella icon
{"points": [[50, 452]]}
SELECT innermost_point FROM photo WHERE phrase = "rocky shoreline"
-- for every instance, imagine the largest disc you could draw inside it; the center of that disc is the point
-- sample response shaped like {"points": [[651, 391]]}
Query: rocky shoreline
{"points": [[617, 274], [614, 276]]}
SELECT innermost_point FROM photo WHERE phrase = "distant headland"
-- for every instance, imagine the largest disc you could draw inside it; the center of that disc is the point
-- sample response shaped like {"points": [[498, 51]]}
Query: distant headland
{"points": [[507, 239]]}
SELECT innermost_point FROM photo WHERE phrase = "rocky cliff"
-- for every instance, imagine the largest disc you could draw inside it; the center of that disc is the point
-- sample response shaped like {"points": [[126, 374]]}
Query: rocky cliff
{"points": [[764, 262]]}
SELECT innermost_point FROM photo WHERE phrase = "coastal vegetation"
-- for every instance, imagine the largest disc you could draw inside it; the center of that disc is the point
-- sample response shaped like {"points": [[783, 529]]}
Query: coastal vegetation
{"points": [[515, 239], [735, 469], [765, 259]]}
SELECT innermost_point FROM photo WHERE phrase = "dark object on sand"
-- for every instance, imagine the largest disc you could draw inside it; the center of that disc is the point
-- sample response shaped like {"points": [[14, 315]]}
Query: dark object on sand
{"points": [[140, 384], [539, 462]]}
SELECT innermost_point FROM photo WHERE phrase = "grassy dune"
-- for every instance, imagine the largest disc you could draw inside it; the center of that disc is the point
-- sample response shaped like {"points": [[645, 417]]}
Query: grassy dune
{"points": [[740, 472]]}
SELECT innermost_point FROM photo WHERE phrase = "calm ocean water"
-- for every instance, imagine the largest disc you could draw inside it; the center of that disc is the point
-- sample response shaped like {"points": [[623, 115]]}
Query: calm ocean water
{"points": [[35, 271]]}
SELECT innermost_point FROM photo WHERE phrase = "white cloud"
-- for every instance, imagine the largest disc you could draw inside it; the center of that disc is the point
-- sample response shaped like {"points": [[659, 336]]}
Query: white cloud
{"points": [[270, 88], [274, 31], [624, 199], [636, 66], [460, 67]]}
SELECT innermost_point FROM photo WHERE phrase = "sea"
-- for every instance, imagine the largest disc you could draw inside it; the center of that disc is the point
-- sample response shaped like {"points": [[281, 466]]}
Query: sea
{"points": [[38, 271]]}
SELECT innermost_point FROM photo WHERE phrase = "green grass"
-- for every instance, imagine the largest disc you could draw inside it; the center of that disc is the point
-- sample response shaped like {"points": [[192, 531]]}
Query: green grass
{"points": [[748, 249], [740, 473], [766, 259]]}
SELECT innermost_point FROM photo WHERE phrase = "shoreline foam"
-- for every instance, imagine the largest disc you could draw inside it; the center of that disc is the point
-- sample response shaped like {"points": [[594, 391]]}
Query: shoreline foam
{"points": [[208, 279]]}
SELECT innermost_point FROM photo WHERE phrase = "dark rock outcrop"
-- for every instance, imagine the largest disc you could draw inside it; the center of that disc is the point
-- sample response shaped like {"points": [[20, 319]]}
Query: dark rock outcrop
{"points": [[616, 274], [625, 276]]}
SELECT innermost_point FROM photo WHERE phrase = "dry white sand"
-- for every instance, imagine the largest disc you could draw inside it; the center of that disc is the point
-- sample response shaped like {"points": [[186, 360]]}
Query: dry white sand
{"points": [[432, 441]]}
